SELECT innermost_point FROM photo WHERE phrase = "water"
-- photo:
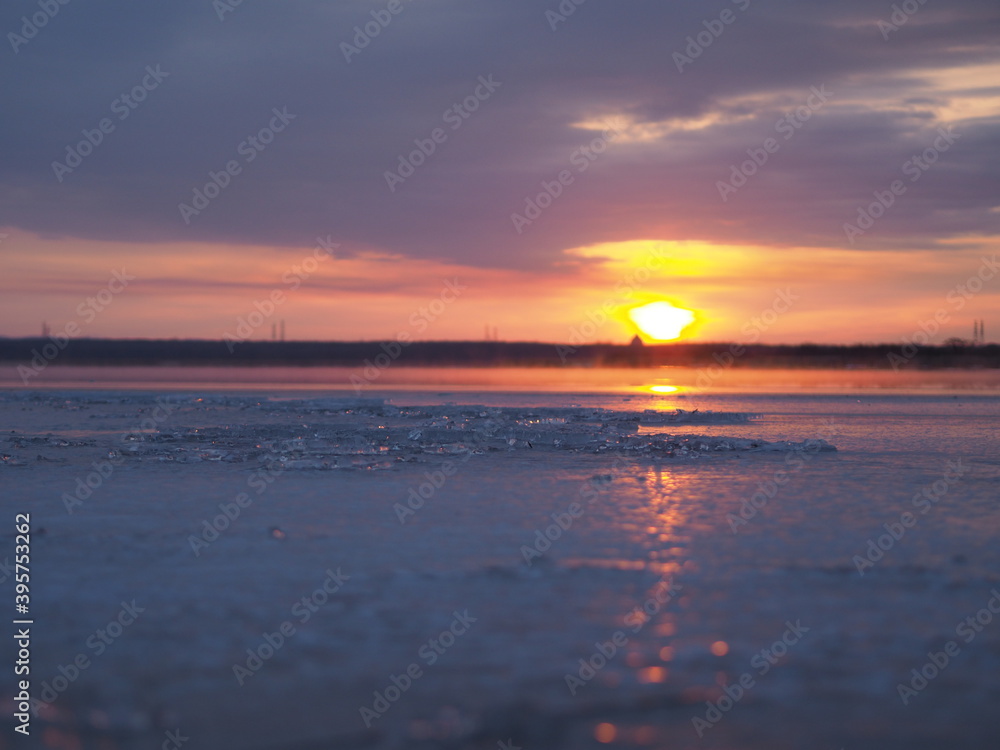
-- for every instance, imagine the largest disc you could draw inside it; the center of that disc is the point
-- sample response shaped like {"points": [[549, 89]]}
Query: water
{"points": [[568, 380], [495, 536]]}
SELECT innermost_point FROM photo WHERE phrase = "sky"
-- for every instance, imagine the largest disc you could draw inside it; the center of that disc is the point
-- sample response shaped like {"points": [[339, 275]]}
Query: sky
{"points": [[790, 171]]}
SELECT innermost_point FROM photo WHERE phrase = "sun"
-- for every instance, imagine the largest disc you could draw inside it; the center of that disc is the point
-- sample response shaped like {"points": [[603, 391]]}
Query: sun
{"points": [[661, 321]]}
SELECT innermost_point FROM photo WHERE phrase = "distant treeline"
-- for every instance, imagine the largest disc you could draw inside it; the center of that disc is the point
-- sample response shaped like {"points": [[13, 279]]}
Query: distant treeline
{"points": [[489, 354]]}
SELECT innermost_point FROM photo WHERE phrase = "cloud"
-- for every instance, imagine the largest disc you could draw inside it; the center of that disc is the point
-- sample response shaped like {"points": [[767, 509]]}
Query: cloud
{"points": [[325, 172]]}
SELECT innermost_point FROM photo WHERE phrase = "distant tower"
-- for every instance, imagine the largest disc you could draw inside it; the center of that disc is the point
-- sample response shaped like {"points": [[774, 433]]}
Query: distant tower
{"points": [[274, 331], [45, 329], [636, 341], [282, 330], [979, 332]]}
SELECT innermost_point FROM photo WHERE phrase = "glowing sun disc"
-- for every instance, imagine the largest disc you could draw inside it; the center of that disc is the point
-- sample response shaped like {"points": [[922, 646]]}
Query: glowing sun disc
{"points": [[661, 320]]}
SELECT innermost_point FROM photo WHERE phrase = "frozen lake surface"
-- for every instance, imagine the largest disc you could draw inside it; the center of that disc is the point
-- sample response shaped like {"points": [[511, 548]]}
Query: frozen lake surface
{"points": [[427, 569]]}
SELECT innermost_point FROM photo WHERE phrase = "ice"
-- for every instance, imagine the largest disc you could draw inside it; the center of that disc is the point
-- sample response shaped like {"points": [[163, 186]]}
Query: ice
{"points": [[658, 489], [330, 434]]}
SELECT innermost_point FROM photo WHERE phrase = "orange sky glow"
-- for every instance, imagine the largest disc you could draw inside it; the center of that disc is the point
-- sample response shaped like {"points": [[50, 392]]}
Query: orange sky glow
{"points": [[203, 291]]}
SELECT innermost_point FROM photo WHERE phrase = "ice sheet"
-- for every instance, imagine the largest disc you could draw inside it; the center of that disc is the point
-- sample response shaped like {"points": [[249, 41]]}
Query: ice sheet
{"points": [[359, 488]]}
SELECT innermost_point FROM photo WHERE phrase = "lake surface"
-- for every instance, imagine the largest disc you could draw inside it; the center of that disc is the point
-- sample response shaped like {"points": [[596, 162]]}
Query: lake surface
{"points": [[727, 579], [520, 379]]}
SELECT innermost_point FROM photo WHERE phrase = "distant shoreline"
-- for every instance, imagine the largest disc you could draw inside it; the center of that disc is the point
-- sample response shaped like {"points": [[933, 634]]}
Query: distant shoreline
{"points": [[38, 351]]}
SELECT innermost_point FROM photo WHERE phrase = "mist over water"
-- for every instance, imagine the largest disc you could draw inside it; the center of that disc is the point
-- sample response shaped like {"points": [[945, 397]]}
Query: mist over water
{"points": [[503, 379]]}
